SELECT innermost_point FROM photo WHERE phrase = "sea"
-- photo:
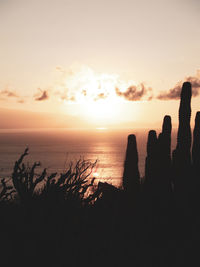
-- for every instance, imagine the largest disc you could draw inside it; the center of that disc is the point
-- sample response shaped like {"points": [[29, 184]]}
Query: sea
{"points": [[55, 149]]}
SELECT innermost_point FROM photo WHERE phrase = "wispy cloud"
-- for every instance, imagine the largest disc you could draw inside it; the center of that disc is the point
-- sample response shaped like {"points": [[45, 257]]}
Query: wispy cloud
{"points": [[43, 95], [8, 93], [21, 101], [66, 98], [174, 93], [100, 96], [134, 93]]}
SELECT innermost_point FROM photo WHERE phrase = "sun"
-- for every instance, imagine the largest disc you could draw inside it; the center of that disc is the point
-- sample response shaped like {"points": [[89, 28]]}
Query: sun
{"points": [[100, 110], [93, 96]]}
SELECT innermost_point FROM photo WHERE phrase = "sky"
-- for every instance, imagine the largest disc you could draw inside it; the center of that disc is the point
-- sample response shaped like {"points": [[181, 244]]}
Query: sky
{"points": [[91, 63]]}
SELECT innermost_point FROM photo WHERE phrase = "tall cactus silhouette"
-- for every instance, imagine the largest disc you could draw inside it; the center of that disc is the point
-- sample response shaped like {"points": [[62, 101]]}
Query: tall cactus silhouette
{"points": [[196, 145], [182, 155], [131, 176], [164, 148], [195, 197], [151, 159], [184, 130], [158, 159], [164, 186], [150, 187], [164, 141]]}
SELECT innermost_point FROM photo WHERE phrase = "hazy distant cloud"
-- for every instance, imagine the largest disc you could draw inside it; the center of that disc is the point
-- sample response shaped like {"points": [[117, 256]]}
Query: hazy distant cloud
{"points": [[84, 92], [175, 92], [8, 93], [134, 93], [63, 95], [21, 101], [195, 81], [44, 96], [67, 98], [60, 69], [100, 96]]}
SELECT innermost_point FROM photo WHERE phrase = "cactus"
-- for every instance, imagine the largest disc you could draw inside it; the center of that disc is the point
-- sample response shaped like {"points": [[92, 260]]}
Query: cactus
{"points": [[164, 147], [182, 155], [195, 188], [163, 183], [151, 159], [166, 138], [196, 144], [131, 176], [184, 130], [182, 173]]}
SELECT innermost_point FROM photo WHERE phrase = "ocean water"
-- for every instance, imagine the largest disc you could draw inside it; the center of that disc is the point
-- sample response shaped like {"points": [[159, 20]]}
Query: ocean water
{"points": [[55, 149]]}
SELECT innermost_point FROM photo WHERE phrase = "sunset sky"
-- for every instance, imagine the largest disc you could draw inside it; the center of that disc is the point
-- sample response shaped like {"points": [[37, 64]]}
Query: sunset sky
{"points": [[92, 63]]}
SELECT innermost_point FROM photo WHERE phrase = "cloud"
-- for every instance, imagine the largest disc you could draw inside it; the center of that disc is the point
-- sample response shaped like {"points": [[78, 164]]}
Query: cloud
{"points": [[21, 101], [134, 93], [195, 81], [8, 93], [66, 98], [81, 84], [175, 92], [43, 96], [100, 96]]}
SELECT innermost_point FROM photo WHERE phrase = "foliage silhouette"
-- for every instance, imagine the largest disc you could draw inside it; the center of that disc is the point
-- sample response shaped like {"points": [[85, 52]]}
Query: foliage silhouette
{"points": [[72, 184], [6, 193], [25, 179]]}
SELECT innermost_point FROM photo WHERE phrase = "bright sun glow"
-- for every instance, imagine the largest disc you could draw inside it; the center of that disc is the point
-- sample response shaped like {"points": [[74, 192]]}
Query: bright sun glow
{"points": [[93, 95], [101, 128], [102, 110]]}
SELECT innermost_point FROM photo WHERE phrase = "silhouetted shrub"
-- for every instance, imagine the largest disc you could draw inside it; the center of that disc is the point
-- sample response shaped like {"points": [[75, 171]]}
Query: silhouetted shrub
{"points": [[73, 185], [25, 179], [6, 193]]}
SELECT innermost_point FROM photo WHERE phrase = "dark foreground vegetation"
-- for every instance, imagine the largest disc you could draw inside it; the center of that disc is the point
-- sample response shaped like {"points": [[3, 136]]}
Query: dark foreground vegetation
{"points": [[68, 220]]}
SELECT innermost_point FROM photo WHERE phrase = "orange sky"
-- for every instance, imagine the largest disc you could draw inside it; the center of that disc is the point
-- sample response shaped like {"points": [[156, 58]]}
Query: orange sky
{"points": [[96, 63]]}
